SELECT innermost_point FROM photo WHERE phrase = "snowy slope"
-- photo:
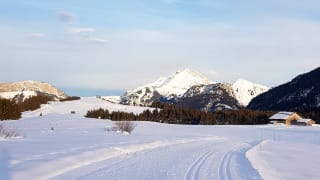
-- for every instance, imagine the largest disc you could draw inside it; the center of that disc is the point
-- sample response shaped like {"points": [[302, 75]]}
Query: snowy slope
{"points": [[80, 148], [245, 91], [81, 107], [13, 94], [166, 87]]}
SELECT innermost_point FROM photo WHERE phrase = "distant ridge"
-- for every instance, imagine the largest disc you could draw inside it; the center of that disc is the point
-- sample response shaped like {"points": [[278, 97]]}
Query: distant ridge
{"points": [[24, 89]]}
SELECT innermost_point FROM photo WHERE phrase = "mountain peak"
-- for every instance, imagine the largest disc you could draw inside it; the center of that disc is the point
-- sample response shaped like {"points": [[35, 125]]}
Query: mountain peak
{"points": [[179, 83]]}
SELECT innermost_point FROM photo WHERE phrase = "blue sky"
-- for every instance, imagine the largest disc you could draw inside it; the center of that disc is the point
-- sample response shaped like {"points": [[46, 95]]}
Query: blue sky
{"points": [[121, 44]]}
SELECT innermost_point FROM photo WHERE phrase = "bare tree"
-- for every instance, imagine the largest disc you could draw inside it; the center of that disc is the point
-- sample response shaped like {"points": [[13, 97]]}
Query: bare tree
{"points": [[125, 126]]}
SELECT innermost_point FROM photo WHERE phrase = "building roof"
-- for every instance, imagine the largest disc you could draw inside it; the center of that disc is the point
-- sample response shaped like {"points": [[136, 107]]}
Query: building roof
{"points": [[281, 115], [304, 120], [223, 106]]}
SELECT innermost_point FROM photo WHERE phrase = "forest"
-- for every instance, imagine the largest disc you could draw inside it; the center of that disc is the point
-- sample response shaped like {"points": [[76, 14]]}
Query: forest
{"points": [[166, 113]]}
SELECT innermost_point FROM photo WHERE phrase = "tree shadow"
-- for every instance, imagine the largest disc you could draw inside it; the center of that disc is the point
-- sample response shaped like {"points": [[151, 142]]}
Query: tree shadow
{"points": [[4, 165]]}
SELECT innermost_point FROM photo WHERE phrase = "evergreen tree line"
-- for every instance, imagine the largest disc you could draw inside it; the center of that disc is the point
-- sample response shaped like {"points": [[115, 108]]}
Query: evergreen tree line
{"points": [[171, 114], [70, 98], [9, 109]]}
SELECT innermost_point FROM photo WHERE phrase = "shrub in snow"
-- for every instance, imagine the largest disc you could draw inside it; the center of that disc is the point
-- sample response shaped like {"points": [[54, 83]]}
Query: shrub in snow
{"points": [[6, 133], [125, 126]]}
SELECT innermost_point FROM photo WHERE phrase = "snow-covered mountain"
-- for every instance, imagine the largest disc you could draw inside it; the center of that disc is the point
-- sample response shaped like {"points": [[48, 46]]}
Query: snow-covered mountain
{"points": [[171, 87], [191, 89], [245, 91], [25, 89]]}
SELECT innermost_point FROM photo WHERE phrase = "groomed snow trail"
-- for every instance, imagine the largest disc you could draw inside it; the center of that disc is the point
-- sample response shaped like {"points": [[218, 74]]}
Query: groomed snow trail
{"points": [[201, 159]]}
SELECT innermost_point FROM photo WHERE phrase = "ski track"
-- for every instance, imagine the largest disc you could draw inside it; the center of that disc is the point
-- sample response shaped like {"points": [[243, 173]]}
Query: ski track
{"points": [[193, 172], [224, 172]]}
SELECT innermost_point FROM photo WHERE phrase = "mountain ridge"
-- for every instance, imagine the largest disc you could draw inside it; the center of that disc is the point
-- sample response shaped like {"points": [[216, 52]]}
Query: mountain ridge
{"points": [[303, 91]]}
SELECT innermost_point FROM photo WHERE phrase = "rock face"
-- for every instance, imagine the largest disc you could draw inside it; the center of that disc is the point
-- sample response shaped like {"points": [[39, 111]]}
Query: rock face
{"points": [[209, 97], [302, 92], [189, 88], [21, 90]]}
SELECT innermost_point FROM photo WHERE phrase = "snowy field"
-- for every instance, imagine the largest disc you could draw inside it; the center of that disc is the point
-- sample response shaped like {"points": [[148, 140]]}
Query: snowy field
{"points": [[81, 148]]}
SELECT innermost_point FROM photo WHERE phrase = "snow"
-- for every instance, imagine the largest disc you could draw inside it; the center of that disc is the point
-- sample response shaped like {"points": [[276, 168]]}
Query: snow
{"points": [[245, 91], [81, 148], [11, 95], [284, 160], [281, 115]]}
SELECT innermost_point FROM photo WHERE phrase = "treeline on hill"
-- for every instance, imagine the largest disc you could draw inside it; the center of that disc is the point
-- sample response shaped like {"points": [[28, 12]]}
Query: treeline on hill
{"points": [[171, 114], [10, 109], [34, 102], [70, 98]]}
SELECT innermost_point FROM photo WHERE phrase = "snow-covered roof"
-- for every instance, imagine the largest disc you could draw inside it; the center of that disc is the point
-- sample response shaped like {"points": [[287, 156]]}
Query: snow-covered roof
{"points": [[281, 115], [303, 120], [224, 106]]}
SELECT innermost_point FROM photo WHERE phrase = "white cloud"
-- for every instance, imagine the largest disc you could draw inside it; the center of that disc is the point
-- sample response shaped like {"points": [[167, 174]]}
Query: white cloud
{"points": [[34, 35], [99, 40], [65, 17], [81, 30]]}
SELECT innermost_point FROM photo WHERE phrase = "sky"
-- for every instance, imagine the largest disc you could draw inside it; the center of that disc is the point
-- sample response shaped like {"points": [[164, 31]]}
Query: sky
{"points": [[115, 45]]}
